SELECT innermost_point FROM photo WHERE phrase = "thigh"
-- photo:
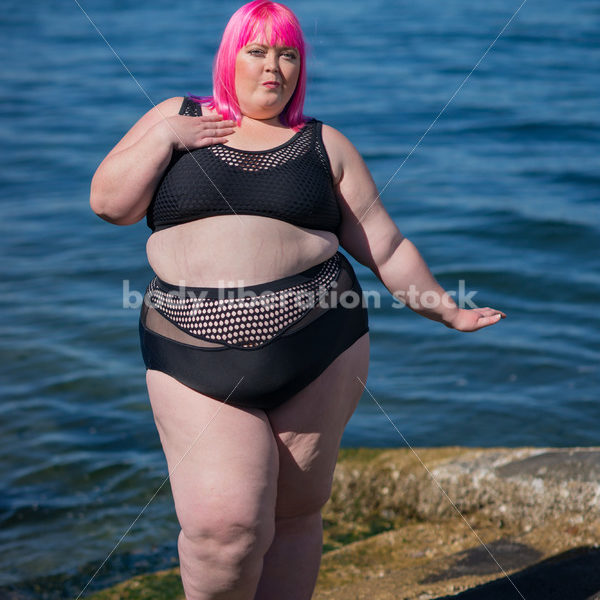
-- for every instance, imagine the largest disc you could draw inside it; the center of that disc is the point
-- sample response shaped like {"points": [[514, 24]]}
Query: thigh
{"points": [[222, 460], [308, 429]]}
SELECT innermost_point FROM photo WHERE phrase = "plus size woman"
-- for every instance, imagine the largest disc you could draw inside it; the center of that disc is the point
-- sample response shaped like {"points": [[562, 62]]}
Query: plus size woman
{"points": [[253, 331]]}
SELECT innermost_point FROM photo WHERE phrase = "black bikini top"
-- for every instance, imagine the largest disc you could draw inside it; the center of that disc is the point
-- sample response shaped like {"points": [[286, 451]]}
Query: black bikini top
{"points": [[292, 182]]}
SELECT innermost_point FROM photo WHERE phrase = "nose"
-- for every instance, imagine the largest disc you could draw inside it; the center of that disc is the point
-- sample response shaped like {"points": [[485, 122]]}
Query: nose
{"points": [[271, 64]]}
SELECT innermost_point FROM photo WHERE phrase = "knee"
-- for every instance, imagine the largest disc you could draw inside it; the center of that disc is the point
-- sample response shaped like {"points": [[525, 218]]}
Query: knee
{"points": [[303, 501], [227, 539]]}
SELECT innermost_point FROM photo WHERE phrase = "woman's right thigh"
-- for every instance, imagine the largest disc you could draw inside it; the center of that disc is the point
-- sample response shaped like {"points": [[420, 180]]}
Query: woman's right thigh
{"points": [[222, 460]]}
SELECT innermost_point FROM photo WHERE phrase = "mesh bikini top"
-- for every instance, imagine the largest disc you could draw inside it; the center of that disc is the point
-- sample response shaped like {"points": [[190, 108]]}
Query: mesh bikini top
{"points": [[292, 182]]}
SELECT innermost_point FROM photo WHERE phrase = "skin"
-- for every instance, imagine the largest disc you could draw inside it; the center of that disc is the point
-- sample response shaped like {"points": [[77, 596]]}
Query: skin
{"points": [[249, 488], [246, 248], [257, 63]]}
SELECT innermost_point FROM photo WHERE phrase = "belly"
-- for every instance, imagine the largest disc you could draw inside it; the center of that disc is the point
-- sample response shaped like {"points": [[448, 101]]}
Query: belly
{"points": [[236, 250]]}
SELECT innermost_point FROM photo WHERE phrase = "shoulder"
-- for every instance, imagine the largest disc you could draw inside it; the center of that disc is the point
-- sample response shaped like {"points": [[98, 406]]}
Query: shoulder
{"points": [[339, 148], [334, 137], [170, 105], [162, 110], [166, 108]]}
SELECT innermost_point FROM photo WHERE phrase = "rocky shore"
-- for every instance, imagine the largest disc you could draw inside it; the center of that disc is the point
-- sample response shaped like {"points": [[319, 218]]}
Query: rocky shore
{"points": [[452, 522]]}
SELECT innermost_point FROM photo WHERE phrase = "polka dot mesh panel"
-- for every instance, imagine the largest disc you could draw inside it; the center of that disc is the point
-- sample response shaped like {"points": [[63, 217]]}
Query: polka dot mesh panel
{"points": [[245, 322]]}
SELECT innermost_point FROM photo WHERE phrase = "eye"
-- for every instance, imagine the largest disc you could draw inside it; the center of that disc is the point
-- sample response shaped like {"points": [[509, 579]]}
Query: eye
{"points": [[256, 51], [291, 55]]}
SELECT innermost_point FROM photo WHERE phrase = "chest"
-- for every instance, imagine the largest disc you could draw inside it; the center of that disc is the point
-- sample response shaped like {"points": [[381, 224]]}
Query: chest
{"points": [[291, 182]]}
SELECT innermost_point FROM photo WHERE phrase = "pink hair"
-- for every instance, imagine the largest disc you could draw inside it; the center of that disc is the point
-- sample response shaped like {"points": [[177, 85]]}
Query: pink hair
{"points": [[248, 24]]}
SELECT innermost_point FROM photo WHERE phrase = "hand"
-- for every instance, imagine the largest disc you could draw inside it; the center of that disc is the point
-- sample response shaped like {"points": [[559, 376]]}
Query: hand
{"points": [[475, 318], [186, 133]]}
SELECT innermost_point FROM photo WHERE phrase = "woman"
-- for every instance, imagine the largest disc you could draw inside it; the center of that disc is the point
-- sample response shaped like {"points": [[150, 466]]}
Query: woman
{"points": [[251, 393]]}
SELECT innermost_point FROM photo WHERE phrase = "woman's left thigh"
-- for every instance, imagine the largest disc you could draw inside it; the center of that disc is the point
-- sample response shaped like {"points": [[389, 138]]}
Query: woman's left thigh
{"points": [[308, 430]]}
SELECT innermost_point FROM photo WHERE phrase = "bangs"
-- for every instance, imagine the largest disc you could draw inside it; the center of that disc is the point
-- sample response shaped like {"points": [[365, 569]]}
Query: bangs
{"points": [[272, 30]]}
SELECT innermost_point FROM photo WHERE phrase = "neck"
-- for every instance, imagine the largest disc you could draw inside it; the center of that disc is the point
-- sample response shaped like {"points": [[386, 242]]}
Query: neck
{"points": [[271, 121]]}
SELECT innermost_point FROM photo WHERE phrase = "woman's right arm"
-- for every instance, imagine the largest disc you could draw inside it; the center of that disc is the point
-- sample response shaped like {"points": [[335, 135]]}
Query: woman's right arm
{"points": [[125, 181]]}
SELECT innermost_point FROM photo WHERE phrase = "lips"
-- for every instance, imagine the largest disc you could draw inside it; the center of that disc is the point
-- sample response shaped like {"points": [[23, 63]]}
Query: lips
{"points": [[271, 84]]}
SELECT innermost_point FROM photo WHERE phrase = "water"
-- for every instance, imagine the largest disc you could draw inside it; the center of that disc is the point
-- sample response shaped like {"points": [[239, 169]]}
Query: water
{"points": [[502, 193]]}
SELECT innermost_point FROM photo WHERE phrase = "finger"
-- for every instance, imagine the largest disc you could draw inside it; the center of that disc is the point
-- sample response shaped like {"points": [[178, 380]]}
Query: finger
{"points": [[217, 119], [490, 312], [211, 141], [494, 311], [485, 321], [215, 128], [227, 123], [217, 132]]}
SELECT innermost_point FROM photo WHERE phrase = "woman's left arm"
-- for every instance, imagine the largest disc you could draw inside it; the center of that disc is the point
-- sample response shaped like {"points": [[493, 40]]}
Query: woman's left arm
{"points": [[369, 234]]}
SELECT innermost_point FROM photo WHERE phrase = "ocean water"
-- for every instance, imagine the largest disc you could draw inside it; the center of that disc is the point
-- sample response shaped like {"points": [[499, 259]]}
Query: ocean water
{"points": [[495, 178]]}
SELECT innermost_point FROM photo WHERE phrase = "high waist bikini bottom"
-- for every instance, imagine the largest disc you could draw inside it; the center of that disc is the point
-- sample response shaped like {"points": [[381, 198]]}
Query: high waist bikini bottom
{"points": [[253, 346]]}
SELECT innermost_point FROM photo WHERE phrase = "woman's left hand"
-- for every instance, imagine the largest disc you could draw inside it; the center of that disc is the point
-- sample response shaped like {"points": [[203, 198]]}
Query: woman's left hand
{"points": [[475, 318]]}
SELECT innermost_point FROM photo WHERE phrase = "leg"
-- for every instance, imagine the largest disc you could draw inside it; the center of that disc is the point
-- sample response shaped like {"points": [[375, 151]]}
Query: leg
{"points": [[308, 429], [223, 466]]}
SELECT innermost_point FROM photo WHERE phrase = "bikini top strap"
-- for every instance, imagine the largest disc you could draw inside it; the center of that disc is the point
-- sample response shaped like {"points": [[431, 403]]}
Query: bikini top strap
{"points": [[190, 108]]}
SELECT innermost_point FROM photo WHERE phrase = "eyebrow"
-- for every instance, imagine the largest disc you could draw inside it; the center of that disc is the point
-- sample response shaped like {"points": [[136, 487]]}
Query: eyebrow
{"points": [[266, 46]]}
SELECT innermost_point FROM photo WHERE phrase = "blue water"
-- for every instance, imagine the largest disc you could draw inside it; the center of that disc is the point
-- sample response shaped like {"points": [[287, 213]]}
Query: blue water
{"points": [[503, 192]]}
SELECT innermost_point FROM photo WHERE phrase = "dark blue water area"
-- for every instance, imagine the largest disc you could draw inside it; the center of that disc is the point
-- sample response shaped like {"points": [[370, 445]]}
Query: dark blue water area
{"points": [[492, 172]]}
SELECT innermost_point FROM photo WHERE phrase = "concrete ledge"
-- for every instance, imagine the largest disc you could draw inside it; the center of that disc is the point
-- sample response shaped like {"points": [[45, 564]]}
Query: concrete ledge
{"points": [[454, 522]]}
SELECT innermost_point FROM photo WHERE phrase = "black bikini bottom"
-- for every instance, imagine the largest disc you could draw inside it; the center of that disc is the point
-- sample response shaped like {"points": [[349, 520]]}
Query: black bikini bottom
{"points": [[258, 345]]}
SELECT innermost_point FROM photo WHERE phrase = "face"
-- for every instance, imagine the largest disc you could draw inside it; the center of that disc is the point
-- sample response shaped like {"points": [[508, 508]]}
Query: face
{"points": [[265, 78]]}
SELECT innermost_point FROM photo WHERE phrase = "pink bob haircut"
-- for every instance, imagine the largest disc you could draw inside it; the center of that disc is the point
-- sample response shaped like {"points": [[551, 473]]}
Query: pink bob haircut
{"points": [[250, 24]]}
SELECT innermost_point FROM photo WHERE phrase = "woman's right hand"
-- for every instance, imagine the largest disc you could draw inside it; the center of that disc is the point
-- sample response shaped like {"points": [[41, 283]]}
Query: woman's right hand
{"points": [[125, 181], [186, 133]]}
